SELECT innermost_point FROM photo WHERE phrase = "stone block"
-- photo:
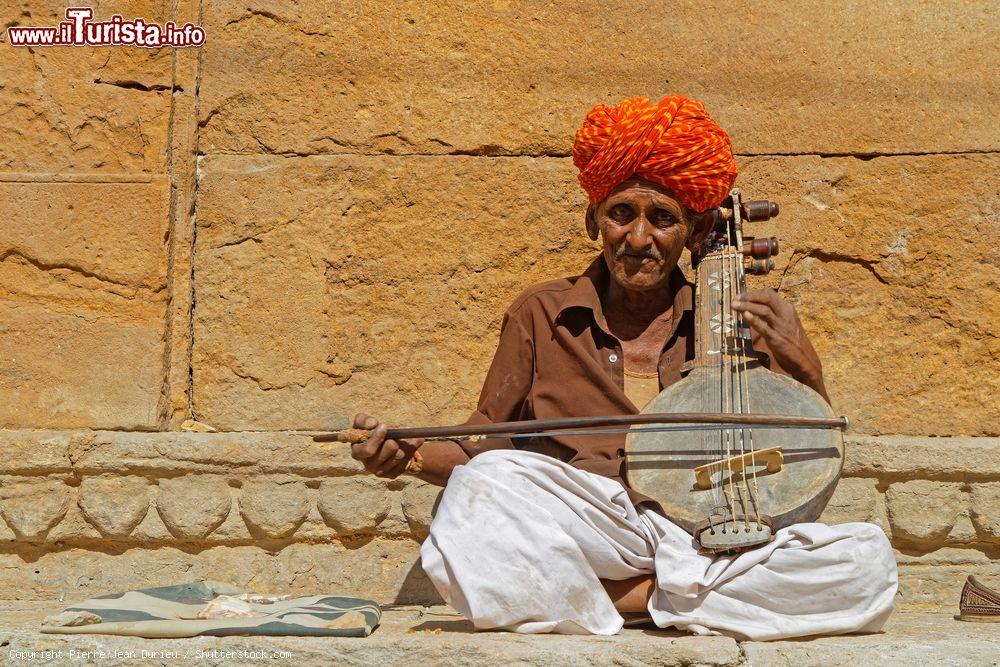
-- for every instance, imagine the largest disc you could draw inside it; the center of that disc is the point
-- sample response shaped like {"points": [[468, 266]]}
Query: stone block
{"points": [[183, 179], [85, 369], [233, 529], [385, 570], [963, 531], [183, 191], [274, 509], [314, 528], [859, 239], [354, 504], [395, 524], [896, 457], [933, 582], [152, 530], [194, 505], [75, 526], [114, 505], [82, 304], [923, 511], [517, 78], [419, 501], [854, 500], [985, 510], [34, 452], [32, 507], [319, 325], [221, 453], [909, 637], [85, 109]]}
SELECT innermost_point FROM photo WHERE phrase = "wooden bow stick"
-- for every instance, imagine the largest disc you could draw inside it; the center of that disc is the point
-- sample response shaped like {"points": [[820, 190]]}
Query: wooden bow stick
{"points": [[554, 426]]}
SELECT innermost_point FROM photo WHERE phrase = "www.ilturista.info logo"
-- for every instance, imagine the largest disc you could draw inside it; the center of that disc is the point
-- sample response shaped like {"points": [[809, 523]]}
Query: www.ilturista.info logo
{"points": [[79, 30]]}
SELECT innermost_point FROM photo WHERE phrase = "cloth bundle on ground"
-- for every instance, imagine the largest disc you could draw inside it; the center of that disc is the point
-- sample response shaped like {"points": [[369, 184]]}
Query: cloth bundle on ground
{"points": [[179, 611]]}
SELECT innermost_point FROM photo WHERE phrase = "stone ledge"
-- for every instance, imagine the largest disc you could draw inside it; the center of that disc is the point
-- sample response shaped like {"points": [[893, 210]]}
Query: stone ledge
{"points": [[439, 636], [955, 459], [90, 511], [171, 453], [27, 452], [238, 488]]}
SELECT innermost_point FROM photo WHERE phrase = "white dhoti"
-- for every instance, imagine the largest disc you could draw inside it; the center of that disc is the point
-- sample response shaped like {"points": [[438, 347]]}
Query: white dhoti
{"points": [[520, 541]]}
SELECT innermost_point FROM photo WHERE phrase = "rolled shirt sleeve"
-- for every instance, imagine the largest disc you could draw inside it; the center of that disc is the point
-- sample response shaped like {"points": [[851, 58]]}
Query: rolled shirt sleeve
{"points": [[505, 392]]}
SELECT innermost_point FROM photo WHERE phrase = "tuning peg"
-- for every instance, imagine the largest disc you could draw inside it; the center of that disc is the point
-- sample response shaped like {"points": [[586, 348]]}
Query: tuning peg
{"points": [[760, 267], [760, 209], [760, 248]]}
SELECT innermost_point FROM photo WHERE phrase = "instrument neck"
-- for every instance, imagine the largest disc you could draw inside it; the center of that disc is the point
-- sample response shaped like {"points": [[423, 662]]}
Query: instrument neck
{"points": [[720, 336]]}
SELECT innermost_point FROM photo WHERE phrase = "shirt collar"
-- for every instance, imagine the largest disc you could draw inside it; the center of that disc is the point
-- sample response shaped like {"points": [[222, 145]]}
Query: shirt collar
{"points": [[585, 293]]}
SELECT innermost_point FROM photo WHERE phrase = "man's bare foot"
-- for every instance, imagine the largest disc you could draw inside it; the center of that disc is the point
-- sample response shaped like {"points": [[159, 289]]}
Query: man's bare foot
{"points": [[631, 595]]}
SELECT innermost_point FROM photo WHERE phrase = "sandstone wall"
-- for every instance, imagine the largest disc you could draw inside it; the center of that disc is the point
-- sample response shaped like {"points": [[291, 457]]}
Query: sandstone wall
{"points": [[327, 207]]}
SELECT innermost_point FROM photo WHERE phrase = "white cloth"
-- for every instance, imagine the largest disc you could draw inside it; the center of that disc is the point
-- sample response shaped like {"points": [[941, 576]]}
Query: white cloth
{"points": [[520, 541]]}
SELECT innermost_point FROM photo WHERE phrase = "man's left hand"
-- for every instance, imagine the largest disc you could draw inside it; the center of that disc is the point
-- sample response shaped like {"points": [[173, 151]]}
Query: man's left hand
{"points": [[776, 321]]}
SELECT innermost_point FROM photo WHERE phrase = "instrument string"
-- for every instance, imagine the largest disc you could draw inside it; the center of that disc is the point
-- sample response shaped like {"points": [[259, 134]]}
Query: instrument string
{"points": [[752, 489], [725, 327], [720, 496], [744, 389], [737, 376]]}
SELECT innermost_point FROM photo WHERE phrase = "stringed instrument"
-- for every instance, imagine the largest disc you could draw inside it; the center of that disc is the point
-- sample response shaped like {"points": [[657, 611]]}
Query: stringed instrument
{"points": [[733, 451], [731, 489]]}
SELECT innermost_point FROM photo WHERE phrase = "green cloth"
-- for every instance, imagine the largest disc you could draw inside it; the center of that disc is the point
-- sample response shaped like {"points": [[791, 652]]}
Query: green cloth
{"points": [[171, 611]]}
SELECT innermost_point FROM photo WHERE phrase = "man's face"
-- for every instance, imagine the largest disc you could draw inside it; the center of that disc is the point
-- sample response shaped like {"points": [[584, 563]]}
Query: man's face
{"points": [[644, 229]]}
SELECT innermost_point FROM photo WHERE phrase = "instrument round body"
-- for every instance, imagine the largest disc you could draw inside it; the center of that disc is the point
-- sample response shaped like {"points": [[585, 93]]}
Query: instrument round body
{"points": [[661, 464]]}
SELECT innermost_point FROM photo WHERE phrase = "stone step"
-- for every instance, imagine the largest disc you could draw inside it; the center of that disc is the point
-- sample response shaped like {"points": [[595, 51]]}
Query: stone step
{"points": [[438, 636]]}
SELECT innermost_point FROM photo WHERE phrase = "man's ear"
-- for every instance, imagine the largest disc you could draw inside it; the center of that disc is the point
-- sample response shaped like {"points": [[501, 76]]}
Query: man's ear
{"points": [[701, 225], [593, 231]]}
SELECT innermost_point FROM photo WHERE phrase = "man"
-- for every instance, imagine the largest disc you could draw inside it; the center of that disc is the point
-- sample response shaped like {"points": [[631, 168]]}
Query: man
{"points": [[544, 535]]}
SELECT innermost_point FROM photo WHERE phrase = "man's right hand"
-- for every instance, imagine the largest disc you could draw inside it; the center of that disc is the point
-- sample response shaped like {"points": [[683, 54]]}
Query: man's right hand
{"points": [[383, 458]]}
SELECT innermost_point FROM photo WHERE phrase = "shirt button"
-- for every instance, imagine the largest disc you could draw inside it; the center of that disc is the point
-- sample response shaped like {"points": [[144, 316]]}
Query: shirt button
{"points": [[613, 357]]}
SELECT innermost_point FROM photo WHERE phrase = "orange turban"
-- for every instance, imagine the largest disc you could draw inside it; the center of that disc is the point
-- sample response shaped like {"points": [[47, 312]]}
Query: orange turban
{"points": [[674, 143]]}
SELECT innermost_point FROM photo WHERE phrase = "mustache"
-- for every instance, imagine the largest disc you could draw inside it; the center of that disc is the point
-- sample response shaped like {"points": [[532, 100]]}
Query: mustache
{"points": [[625, 251]]}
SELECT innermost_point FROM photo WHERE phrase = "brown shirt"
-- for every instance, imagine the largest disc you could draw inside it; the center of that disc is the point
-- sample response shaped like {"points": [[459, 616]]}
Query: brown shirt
{"points": [[557, 358]]}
